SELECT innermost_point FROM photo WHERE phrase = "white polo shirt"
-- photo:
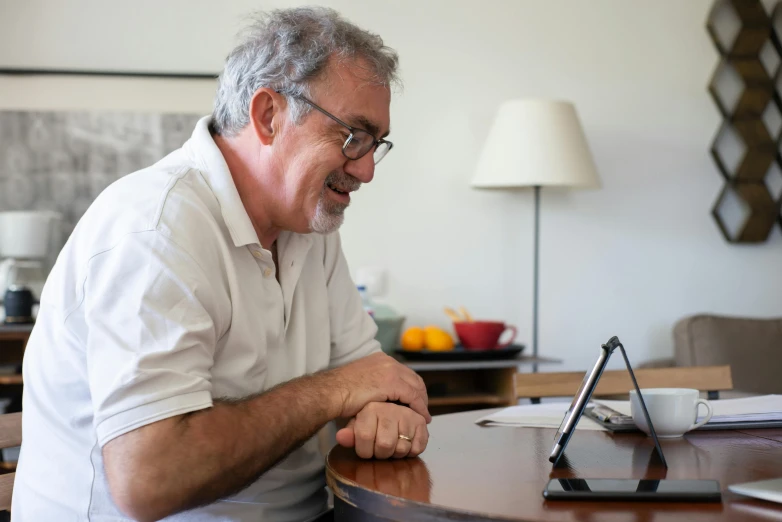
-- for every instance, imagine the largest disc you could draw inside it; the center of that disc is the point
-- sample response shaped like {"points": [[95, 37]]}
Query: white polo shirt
{"points": [[161, 301]]}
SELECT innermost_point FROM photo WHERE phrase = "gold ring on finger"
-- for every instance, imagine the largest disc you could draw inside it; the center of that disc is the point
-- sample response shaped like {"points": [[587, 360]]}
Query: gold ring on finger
{"points": [[405, 437]]}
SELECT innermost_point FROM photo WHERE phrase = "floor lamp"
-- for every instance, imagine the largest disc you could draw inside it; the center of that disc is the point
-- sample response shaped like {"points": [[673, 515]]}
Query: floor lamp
{"points": [[536, 143]]}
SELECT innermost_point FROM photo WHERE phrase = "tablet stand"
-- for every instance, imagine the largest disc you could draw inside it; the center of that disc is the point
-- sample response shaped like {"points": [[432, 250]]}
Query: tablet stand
{"points": [[609, 347]]}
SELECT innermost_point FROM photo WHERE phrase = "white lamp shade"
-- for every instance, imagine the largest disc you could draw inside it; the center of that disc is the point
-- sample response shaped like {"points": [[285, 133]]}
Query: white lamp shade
{"points": [[535, 142]]}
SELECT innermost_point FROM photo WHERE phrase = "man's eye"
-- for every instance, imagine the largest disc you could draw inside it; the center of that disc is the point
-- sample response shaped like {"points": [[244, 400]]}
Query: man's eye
{"points": [[355, 143], [359, 140]]}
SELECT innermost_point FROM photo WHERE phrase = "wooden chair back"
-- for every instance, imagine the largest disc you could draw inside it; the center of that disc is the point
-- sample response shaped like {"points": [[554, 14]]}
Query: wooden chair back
{"points": [[712, 379], [10, 437]]}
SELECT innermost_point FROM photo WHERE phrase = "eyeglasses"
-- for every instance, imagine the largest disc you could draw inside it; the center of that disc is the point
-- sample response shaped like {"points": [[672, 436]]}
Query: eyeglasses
{"points": [[360, 142]]}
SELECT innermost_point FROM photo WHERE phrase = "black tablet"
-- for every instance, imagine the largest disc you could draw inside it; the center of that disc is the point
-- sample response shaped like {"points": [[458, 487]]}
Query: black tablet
{"points": [[580, 400], [584, 393]]}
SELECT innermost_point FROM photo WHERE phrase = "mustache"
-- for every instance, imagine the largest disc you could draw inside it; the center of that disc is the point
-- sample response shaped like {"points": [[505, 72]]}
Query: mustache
{"points": [[342, 181]]}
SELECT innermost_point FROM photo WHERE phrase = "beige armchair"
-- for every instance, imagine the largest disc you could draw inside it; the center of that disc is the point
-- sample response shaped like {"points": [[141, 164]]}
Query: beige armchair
{"points": [[752, 348]]}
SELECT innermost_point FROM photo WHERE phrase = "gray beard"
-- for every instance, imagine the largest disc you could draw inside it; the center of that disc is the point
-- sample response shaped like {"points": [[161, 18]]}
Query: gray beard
{"points": [[329, 214]]}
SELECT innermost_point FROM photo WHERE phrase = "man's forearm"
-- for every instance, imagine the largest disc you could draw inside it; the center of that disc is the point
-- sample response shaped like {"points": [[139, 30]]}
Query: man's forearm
{"points": [[197, 458]]}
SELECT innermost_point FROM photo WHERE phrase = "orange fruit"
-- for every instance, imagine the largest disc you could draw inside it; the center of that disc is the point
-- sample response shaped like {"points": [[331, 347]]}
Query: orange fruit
{"points": [[437, 339], [413, 339]]}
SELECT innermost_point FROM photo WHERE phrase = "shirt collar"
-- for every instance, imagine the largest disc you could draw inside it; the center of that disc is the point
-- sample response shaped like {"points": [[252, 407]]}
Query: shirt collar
{"points": [[202, 148]]}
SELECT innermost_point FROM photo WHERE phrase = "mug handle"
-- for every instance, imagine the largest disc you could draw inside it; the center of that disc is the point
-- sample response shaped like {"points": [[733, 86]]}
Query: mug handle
{"points": [[708, 415], [512, 337]]}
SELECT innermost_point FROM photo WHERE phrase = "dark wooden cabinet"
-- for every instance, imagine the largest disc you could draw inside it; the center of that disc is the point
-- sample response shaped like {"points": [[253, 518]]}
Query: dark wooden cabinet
{"points": [[455, 386]]}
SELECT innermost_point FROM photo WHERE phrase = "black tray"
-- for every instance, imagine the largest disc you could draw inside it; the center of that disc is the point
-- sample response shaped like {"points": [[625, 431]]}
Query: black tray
{"points": [[460, 354]]}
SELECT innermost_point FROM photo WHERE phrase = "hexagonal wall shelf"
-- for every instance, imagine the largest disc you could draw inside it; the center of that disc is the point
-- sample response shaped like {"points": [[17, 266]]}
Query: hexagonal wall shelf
{"points": [[745, 87], [776, 27], [772, 118], [769, 57], [741, 88], [744, 150], [774, 181], [745, 212], [738, 27]]}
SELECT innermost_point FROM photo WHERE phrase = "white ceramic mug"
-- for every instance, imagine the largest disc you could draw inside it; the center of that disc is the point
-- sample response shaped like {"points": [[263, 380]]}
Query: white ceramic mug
{"points": [[673, 411]]}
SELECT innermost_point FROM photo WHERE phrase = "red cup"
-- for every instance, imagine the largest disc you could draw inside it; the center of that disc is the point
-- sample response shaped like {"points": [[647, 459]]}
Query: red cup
{"points": [[483, 335]]}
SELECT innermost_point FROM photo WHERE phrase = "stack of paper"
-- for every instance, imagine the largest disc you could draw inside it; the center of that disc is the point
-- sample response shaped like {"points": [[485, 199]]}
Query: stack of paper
{"points": [[759, 409], [547, 415], [762, 408]]}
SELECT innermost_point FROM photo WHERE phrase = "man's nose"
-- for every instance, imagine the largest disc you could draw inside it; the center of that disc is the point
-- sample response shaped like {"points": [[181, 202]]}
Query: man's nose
{"points": [[363, 169]]}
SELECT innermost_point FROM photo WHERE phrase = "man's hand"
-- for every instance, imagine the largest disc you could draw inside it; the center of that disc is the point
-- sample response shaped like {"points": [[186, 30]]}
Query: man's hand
{"points": [[375, 432], [379, 378]]}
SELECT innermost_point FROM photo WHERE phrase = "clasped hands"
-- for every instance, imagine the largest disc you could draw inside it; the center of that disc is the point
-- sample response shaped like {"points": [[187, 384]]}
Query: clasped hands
{"points": [[384, 430], [386, 403]]}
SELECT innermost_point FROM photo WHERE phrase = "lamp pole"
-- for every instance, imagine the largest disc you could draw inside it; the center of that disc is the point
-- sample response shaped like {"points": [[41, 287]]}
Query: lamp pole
{"points": [[535, 280]]}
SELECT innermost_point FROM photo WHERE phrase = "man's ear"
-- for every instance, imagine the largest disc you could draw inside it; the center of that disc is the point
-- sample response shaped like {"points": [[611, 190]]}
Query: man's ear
{"points": [[266, 109]]}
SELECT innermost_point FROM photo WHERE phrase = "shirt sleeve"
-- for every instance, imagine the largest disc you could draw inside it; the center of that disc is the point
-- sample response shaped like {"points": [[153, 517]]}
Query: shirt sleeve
{"points": [[352, 329], [149, 312]]}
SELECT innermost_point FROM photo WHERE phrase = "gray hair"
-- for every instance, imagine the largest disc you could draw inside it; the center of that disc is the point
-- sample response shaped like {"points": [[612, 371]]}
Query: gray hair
{"points": [[286, 50]]}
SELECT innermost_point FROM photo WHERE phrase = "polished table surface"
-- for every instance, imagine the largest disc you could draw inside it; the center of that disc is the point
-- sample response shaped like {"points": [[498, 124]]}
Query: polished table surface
{"points": [[470, 472]]}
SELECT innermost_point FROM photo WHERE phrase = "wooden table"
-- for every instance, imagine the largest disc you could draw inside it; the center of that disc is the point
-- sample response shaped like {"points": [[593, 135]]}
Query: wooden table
{"points": [[470, 472]]}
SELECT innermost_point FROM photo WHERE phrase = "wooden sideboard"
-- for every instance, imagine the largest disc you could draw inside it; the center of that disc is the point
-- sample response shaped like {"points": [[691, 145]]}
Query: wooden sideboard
{"points": [[13, 340], [455, 386]]}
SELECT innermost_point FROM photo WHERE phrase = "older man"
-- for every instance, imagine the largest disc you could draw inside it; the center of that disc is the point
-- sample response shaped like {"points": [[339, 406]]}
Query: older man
{"points": [[200, 325]]}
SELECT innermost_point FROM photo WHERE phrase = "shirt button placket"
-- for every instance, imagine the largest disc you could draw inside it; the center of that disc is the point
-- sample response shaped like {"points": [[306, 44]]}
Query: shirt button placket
{"points": [[260, 256]]}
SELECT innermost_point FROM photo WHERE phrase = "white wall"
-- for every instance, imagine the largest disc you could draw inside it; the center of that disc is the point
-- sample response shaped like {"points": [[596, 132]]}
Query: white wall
{"points": [[629, 259]]}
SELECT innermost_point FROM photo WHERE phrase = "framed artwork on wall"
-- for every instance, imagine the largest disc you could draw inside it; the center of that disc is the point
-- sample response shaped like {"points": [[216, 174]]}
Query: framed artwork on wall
{"points": [[66, 135]]}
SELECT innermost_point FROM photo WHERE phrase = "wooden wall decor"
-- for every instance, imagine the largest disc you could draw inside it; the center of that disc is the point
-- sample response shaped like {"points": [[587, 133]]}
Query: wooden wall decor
{"points": [[746, 89]]}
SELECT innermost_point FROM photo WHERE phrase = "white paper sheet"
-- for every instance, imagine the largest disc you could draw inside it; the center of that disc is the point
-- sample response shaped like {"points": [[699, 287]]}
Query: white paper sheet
{"points": [[760, 408], [546, 415]]}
